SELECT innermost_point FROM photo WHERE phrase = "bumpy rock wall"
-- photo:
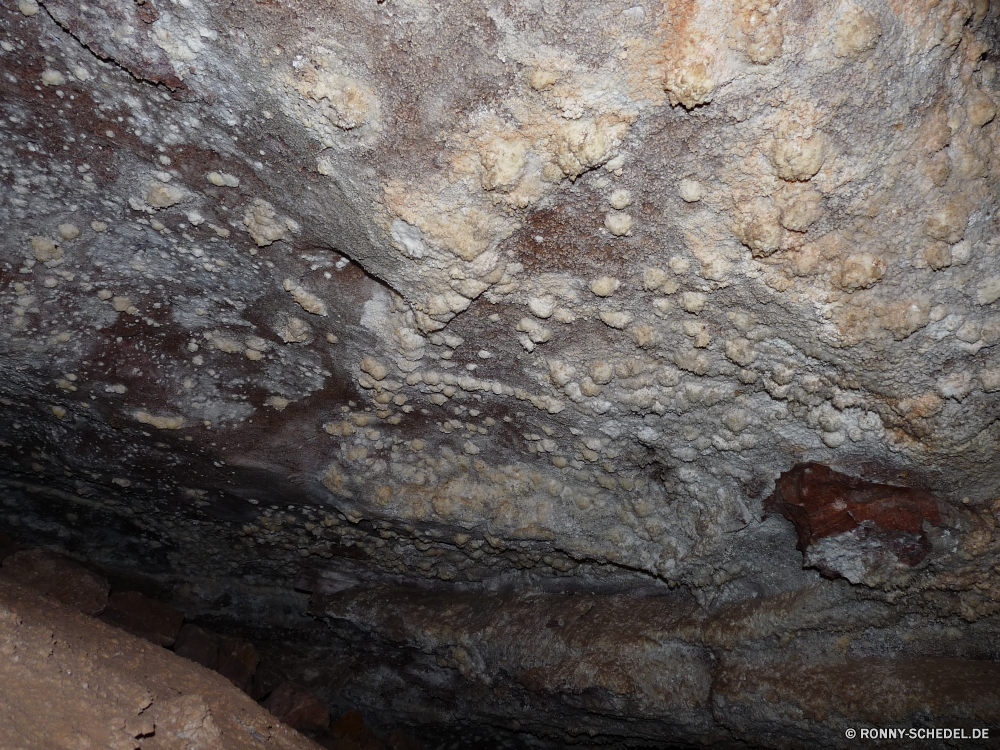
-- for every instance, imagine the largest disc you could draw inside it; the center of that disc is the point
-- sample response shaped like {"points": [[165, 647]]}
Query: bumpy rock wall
{"points": [[519, 296]]}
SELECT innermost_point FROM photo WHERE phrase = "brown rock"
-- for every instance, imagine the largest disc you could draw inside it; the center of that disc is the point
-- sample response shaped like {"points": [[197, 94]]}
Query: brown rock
{"points": [[145, 617], [846, 525], [266, 679], [70, 681], [237, 662], [350, 733], [233, 658], [199, 645], [189, 719], [58, 577], [954, 690], [586, 646], [298, 708], [92, 27]]}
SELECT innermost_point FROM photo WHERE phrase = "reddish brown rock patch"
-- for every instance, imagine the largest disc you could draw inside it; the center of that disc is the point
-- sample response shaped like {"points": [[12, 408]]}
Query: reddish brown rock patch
{"points": [[823, 503], [96, 25]]}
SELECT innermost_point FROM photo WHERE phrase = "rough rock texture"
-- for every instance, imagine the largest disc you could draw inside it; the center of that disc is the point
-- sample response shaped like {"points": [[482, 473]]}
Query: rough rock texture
{"points": [[790, 670], [513, 296], [70, 681], [855, 528], [198, 645], [58, 577]]}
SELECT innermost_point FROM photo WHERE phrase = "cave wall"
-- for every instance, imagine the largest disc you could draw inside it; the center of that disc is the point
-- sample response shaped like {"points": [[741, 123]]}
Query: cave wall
{"points": [[378, 300]]}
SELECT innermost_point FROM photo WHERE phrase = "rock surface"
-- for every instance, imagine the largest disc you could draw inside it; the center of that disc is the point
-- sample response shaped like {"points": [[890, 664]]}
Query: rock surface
{"points": [[855, 528], [198, 645], [101, 687], [59, 577], [144, 617], [513, 298], [298, 708], [237, 661]]}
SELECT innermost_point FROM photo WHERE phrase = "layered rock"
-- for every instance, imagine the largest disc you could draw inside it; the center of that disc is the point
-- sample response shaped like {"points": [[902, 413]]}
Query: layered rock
{"points": [[508, 295]]}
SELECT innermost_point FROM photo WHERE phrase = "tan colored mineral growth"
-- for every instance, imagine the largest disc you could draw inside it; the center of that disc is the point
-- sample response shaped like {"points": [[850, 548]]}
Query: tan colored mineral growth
{"points": [[855, 32], [221, 179], [45, 249], [158, 421], [164, 196], [264, 224], [306, 299], [345, 102]]}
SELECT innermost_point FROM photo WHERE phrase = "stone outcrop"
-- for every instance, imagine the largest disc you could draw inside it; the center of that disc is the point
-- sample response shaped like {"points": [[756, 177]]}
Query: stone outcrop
{"points": [[477, 298], [662, 671], [298, 708], [68, 679]]}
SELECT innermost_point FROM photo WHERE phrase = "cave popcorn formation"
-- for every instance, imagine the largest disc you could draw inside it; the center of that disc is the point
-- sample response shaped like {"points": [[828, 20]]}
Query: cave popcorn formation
{"points": [[572, 305]]}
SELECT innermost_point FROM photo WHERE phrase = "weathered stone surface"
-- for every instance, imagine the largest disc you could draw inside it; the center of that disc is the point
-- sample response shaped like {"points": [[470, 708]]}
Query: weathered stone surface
{"points": [[350, 733], [850, 527], [570, 659], [785, 671], [503, 297], [843, 693], [144, 617], [398, 740], [142, 50], [351, 724], [67, 680], [298, 708], [432, 263], [233, 658], [59, 577]]}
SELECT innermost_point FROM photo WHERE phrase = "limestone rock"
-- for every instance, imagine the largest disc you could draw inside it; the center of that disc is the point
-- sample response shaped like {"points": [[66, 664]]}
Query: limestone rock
{"points": [[67, 678], [198, 645], [238, 659], [850, 527], [479, 297]]}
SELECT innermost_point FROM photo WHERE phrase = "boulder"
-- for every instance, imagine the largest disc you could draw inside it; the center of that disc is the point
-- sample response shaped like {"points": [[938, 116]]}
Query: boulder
{"points": [[59, 577], [143, 616]]}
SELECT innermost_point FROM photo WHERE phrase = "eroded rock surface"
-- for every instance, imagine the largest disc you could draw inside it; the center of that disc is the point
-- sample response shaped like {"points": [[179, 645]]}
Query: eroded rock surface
{"points": [[851, 527], [69, 681], [508, 297]]}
